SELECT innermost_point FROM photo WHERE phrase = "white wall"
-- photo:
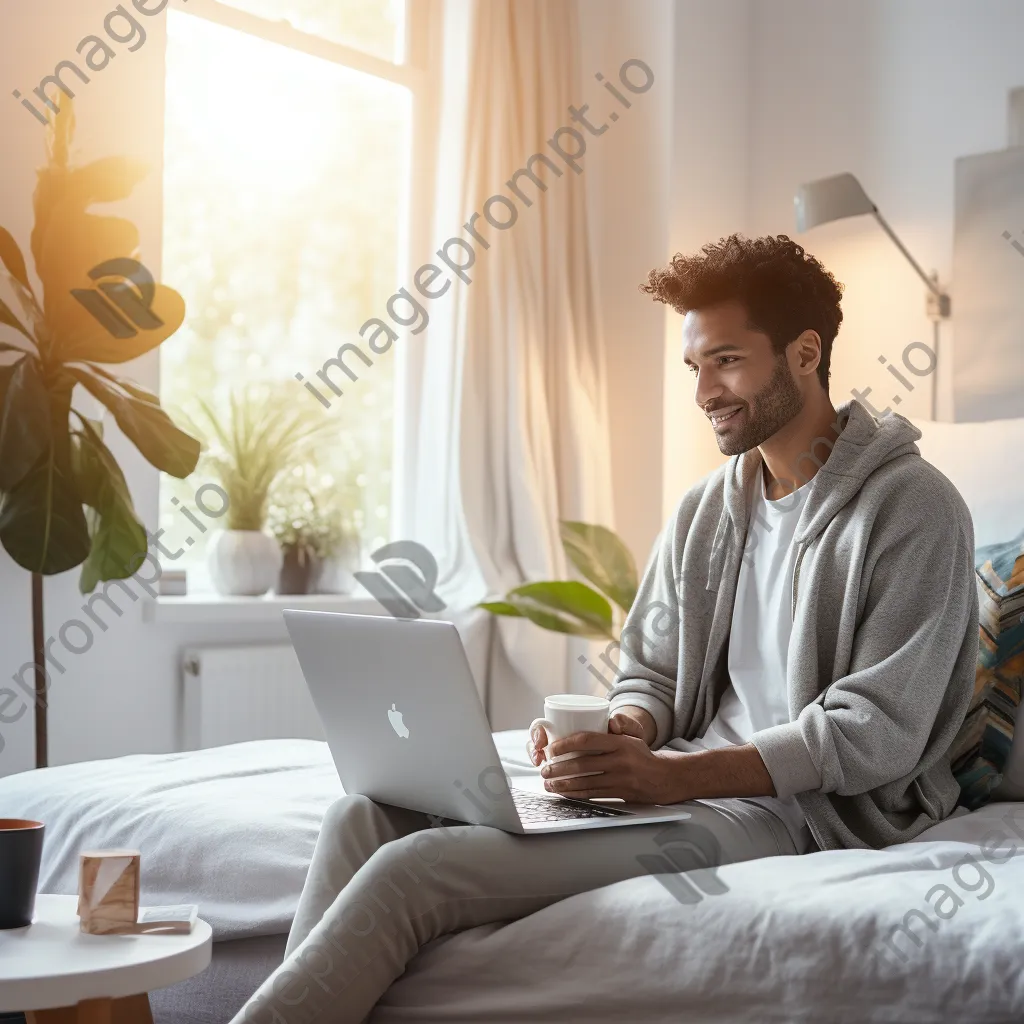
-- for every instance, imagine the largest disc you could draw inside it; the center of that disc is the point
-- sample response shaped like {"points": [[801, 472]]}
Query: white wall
{"points": [[769, 95], [894, 91], [629, 187]]}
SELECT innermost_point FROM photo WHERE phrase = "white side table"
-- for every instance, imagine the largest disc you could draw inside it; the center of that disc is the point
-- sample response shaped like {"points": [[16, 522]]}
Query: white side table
{"points": [[57, 974]]}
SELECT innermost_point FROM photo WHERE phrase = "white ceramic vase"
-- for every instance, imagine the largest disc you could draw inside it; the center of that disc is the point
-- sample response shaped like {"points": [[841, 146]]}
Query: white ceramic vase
{"points": [[243, 562], [334, 574]]}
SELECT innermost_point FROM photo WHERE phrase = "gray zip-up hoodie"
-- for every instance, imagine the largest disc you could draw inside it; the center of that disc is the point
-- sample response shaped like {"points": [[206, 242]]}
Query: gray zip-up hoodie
{"points": [[884, 639]]}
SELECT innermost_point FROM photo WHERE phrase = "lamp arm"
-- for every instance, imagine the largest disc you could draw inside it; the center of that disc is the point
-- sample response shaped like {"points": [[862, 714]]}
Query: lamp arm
{"points": [[932, 286]]}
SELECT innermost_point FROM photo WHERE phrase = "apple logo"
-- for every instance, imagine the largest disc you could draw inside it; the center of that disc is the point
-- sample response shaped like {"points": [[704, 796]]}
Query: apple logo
{"points": [[395, 718]]}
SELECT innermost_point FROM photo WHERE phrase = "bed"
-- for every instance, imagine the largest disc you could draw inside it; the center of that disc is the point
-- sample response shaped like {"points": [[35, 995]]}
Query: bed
{"points": [[810, 938], [927, 931]]}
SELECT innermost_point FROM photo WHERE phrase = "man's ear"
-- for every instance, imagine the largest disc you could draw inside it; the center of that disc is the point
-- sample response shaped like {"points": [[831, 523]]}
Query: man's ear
{"points": [[808, 351]]}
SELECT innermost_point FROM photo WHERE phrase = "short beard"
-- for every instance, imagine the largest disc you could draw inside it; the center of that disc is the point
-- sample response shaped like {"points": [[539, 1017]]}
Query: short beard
{"points": [[772, 408]]}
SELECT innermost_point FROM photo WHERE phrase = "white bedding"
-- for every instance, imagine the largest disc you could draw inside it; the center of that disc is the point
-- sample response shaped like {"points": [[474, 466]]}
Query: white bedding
{"points": [[793, 939], [230, 828]]}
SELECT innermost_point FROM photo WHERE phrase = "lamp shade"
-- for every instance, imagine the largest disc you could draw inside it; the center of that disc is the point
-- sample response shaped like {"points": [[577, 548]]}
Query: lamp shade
{"points": [[818, 202]]}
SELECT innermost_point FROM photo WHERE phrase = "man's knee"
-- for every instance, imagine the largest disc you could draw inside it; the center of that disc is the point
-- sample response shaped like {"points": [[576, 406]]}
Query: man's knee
{"points": [[343, 807]]}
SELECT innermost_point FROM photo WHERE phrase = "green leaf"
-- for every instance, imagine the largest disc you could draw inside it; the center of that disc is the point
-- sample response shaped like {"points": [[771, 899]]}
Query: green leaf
{"points": [[12, 259], [500, 608], [25, 429], [564, 606], [133, 389], [42, 525], [119, 541], [147, 426], [601, 557], [8, 318]]}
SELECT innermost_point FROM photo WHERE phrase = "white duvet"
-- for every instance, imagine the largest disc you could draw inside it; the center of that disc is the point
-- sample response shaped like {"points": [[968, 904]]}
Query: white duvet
{"points": [[794, 939], [808, 938]]}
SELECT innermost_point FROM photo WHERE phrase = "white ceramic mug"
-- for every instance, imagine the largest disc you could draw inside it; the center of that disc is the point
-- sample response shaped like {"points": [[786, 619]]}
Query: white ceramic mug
{"points": [[566, 713]]}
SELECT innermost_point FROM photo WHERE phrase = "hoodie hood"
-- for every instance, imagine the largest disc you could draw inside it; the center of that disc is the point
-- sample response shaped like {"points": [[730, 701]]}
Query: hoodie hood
{"points": [[863, 445]]}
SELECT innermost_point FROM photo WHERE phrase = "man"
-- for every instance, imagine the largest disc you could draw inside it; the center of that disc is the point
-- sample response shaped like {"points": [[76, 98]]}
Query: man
{"points": [[810, 661], [823, 653]]}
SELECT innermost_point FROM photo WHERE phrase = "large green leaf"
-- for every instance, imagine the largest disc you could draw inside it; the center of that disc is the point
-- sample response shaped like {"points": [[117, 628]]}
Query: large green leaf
{"points": [[118, 538], [126, 384], [42, 525], [25, 426], [500, 608], [147, 426], [12, 259], [105, 180], [564, 606], [601, 557], [154, 310]]}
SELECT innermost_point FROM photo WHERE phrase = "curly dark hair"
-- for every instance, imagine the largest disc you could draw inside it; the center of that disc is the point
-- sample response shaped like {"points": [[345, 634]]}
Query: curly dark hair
{"points": [[784, 289]]}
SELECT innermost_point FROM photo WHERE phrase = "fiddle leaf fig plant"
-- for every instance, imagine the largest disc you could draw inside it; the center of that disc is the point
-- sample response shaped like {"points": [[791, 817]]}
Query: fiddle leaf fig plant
{"points": [[63, 498], [568, 606]]}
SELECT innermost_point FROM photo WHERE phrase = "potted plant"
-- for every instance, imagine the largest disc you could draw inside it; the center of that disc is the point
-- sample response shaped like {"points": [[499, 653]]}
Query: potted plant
{"points": [[265, 433], [63, 498], [296, 528], [309, 516]]}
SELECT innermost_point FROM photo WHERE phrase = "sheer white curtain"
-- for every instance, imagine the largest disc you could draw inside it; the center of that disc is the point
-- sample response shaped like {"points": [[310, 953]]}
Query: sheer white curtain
{"points": [[507, 394]]}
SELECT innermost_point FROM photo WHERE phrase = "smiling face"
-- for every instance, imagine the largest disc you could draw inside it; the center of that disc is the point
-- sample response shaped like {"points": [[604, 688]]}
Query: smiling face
{"points": [[748, 390]]}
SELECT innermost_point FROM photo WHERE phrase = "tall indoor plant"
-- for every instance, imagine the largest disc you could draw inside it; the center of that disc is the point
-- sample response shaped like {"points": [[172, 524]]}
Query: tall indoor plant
{"points": [[64, 501]]}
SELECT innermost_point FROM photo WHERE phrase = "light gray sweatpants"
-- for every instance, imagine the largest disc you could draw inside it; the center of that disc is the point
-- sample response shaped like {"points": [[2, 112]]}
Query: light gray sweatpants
{"points": [[382, 884]]}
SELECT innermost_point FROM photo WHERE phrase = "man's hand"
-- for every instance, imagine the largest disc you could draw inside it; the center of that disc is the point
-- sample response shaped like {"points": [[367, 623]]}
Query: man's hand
{"points": [[629, 769], [627, 721]]}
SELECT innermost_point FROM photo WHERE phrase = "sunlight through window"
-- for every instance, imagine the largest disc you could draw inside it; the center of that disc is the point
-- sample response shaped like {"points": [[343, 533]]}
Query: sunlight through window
{"points": [[285, 178]]}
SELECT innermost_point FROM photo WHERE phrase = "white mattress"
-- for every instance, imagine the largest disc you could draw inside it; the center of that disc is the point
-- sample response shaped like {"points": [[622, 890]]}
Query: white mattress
{"points": [[793, 939]]}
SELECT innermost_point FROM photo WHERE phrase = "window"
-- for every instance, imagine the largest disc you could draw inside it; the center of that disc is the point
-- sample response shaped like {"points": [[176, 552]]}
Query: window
{"points": [[286, 179]]}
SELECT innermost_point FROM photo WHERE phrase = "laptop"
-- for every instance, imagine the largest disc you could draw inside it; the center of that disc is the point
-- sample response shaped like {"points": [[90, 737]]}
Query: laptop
{"points": [[405, 726]]}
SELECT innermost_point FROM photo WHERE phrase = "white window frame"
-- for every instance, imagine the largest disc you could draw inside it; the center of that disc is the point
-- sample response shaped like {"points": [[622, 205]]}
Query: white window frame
{"points": [[420, 73]]}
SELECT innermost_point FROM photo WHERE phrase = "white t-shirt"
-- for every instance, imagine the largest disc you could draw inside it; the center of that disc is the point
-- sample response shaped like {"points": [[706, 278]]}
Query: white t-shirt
{"points": [[759, 641]]}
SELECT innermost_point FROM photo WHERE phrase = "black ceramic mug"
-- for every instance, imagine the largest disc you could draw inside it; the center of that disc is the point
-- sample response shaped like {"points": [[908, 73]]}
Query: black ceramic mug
{"points": [[21, 852]]}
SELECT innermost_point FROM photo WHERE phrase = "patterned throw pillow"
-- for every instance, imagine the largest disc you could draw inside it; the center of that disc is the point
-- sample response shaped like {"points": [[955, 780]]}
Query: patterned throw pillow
{"points": [[982, 746]]}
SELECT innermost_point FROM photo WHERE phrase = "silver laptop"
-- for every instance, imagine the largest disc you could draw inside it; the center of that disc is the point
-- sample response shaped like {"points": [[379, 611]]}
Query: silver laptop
{"points": [[405, 726]]}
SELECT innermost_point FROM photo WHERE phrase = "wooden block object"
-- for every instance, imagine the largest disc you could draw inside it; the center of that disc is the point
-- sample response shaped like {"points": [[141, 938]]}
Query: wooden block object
{"points": [[108, 891], [130, 1010]]}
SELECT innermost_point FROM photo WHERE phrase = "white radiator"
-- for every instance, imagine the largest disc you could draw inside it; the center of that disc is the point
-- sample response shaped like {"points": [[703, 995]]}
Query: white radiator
{"points": [[232, 694], [257, 692]]}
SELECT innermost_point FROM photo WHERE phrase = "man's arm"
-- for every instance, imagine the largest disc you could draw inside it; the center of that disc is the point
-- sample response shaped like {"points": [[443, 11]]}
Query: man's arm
{"points": [[632, 771]]}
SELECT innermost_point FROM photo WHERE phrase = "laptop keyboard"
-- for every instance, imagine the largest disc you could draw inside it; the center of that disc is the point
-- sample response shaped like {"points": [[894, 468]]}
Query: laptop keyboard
{"points": [[534, 808]]}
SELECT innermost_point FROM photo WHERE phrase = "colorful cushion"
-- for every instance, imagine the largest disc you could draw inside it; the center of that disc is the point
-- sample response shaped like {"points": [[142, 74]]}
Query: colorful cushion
{"points": [[982, 746]]}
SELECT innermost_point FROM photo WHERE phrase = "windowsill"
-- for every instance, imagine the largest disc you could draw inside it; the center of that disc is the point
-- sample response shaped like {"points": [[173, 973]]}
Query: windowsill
{"points": [[213, 608]]}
